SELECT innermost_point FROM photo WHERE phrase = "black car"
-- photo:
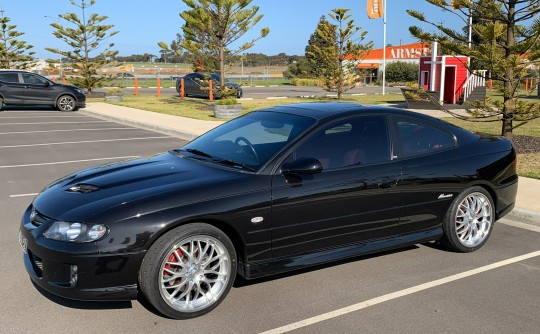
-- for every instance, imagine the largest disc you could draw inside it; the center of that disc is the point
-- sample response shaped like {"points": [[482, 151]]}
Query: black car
{"points": [[276, 190], [21, 88], [196, 84]]}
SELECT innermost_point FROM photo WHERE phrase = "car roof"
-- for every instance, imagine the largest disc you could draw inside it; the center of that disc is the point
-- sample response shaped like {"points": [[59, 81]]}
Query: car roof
{"points": [[10, 70], [330, 110]]}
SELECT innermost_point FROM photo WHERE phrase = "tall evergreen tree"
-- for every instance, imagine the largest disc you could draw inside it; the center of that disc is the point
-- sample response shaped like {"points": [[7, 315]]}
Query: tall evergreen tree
{"points": [[506, 44], [14, 53], [318, 46], [211, 26], [88, 41], [338, 73]]}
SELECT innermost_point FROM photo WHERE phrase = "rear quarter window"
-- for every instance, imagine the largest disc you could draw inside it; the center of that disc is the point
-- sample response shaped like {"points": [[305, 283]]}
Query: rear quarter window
{"points": [[9, 77], [416, 137]]}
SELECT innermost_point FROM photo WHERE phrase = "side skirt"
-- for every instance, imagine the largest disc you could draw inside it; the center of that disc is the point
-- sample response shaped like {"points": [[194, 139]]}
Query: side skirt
{"points": [[284, 264]]}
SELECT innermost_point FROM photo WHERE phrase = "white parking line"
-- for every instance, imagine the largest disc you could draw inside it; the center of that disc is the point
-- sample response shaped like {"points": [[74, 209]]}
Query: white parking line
{"points": [[68, 162], [520, 225], [42, 123], [82, 141], [398, 294], [70, 130], [23, 195], [80, 116]]}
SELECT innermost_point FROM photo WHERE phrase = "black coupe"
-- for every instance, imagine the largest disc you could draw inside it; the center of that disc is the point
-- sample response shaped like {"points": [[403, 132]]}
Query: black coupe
{"points": [[278, 189]]}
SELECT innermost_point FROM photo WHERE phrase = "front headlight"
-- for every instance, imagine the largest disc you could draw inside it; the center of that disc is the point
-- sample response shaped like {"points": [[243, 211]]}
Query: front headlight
{"points": [[75, 232]]}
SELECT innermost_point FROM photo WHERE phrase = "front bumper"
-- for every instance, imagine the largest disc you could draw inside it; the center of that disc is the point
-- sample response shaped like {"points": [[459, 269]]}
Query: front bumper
{"points": [[77, 270]]}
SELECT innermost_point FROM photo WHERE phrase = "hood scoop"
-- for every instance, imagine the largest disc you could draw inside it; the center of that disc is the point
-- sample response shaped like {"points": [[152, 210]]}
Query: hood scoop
{"points": [[83, 188]]}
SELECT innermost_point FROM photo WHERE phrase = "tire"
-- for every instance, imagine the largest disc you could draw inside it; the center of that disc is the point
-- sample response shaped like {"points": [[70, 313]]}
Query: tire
{"points": [[65, 103], [469, 221], [180, 281]]}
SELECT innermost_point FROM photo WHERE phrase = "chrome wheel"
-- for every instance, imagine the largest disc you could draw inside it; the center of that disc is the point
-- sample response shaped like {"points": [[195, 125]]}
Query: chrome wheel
{"points": [[66, 103], [473, 219], [195, 273]]}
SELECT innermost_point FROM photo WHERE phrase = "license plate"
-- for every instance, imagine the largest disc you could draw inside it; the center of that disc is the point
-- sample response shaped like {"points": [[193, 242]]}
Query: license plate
{"points": [[24, 242]]}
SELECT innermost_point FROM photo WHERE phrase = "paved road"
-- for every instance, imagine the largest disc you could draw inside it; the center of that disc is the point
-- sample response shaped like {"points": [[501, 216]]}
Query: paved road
{"points": [[37, 147], [278, 91]]}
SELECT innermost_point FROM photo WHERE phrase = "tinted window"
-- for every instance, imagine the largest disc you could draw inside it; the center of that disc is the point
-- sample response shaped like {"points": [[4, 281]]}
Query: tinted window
{"points": [[33, 79], [9, 77], [358, 141], [420, 138]]}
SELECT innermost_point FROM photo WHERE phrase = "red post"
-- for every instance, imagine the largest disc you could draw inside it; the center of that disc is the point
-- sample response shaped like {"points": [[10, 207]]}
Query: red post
{"points": [[526, 85], [182, 92], [158, 87], [490, 85], [211, 92], [136, 83]]}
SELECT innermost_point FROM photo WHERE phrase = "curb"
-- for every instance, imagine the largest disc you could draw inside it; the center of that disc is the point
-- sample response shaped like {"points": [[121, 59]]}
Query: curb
{"points": [[142, 125], [524, 215]]}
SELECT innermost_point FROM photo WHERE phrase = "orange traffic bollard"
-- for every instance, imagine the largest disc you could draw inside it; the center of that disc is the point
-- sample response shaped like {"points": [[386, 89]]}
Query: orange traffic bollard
{"points": [[526, 84], [182, 92], [136, 84], [64, 81], [53, 79], [158, 87], [490, 86], [211, 92]]}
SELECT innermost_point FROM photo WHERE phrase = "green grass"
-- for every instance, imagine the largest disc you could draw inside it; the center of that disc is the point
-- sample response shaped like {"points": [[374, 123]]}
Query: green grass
{"points": [[531, 128]]}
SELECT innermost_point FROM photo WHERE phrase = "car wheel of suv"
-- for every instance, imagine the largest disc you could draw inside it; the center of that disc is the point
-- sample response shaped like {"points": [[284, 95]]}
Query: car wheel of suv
{"points": [[66, 103], [188, 271], [469, 221]]}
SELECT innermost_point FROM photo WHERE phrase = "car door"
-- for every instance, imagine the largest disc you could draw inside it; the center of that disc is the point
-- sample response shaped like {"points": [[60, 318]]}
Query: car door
{"points": [[193, 84], [354, 199], [38, 89], [428, 184], [12, 90]]}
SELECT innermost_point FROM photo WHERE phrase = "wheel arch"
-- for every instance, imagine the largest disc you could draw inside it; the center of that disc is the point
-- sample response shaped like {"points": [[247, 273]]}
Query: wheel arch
{"points": [[62, 94]]}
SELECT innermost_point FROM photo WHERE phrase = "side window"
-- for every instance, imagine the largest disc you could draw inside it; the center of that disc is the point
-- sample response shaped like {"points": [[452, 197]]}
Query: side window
{"points": [[9, 77], [32, 79], [353, 142], [420, 138]]}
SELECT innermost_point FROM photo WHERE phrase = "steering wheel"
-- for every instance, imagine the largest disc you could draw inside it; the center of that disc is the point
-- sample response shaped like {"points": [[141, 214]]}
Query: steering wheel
{"points": [[252, 151]]}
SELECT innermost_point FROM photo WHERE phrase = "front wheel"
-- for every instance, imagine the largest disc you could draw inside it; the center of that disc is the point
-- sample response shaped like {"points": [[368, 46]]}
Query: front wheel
{"points": [[469, 220], [188, 271], [66, 103]]}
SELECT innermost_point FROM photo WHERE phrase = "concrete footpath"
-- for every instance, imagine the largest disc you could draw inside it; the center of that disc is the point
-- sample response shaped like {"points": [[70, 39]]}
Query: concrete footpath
{"points": [[528, 197]]}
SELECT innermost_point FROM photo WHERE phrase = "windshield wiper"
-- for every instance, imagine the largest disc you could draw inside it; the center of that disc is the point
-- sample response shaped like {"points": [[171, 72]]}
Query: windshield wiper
{"points": [[198, 152], [234, 164]]}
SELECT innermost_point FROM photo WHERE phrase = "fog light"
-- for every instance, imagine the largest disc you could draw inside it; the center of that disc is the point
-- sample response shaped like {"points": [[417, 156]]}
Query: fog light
{"points": [[73, 275]]}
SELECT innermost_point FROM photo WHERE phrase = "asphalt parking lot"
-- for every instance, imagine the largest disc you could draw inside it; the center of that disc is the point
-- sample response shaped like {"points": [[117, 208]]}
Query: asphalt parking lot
{"points": [[419, 289]]}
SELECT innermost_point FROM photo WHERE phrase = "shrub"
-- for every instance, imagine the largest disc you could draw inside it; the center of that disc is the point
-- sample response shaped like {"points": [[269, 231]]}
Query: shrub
{"points": [[400, 71], [305, 82]]}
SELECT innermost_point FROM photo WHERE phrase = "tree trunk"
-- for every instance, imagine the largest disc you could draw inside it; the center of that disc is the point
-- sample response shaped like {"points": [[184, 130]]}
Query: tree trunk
{"points": [[508, 107], [222, 67]]}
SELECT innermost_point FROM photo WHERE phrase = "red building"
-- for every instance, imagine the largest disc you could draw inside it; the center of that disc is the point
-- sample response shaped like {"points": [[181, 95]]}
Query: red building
{"points": [[448, 76]]}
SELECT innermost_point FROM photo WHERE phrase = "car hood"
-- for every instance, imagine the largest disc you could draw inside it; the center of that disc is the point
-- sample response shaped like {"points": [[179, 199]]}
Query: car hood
{"points": [[82, 195]]}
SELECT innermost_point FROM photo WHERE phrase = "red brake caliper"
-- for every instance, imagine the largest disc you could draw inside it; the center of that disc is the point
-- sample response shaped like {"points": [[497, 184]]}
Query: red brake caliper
{"points": [[171, 258]]}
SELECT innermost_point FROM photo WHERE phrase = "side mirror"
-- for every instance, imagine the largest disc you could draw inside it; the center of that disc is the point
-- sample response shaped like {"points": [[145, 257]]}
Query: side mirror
{"points": [[302, 166], [46, 84]]}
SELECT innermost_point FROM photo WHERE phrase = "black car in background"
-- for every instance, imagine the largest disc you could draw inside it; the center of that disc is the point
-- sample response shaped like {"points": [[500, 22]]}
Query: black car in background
{"points": [[196, 84], [22, 88], [278, 189]]}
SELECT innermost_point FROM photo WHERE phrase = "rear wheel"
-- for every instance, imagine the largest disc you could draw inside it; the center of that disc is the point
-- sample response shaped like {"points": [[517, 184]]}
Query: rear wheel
{"points": [[469, 221], [66, 103], [188, 271]]}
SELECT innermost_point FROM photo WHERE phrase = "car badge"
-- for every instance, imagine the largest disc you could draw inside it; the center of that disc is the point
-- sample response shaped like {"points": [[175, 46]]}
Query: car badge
{"points": [[256, 220], [441, 196]]}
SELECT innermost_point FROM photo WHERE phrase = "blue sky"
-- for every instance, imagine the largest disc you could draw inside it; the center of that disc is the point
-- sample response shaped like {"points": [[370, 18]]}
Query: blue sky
{"points": [[141, 24]]}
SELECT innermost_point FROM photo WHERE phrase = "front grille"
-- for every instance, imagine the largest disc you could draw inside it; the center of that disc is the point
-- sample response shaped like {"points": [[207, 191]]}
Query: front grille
{"points": [[39, 219]]}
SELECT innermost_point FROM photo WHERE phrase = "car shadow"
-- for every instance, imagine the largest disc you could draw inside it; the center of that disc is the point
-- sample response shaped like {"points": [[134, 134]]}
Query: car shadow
{"points": [[242, 282], [30, 108], [83, 305]]}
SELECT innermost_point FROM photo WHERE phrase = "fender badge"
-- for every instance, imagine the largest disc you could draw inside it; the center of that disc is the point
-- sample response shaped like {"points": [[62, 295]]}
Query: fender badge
{"points": [[257, 220], [441, 196]]}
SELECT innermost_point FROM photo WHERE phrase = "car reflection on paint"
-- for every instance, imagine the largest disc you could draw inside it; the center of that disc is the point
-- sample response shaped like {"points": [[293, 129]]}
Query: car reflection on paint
{"points": [[276, 190]]}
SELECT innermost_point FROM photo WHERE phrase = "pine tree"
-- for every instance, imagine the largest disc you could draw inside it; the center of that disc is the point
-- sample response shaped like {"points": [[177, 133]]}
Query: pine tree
{"points": [[338, 73], [88, 41], [317, 46], [506, 43], [14, 53], [211, 26]]}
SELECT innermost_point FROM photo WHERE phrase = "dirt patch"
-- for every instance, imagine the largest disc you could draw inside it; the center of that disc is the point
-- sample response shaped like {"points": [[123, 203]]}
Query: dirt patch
{"points": [[526, 144]]}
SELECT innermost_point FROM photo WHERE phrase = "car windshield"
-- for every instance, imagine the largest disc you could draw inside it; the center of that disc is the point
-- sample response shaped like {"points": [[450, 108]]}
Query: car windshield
{"points": [[248, 142]]}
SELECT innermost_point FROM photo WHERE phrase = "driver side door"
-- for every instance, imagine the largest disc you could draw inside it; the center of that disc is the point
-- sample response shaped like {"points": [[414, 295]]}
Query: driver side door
{"points": [[355, 198]]}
